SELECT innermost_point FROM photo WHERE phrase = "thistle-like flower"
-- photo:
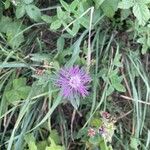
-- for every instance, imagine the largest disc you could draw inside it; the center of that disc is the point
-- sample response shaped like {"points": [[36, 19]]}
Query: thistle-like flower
{"points": [[73, 82]]}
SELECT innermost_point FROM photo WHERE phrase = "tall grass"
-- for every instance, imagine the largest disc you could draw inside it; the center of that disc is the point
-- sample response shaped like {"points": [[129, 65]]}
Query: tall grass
{"points": [[45, 117]]}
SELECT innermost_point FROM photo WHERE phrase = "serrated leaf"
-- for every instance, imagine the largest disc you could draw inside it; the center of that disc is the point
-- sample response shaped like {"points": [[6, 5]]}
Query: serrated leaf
{"points": [[14, 37], [17, 83], [18, 91], [142, 13], [126, 4], [24, 91], [109, 7], [33, 12], [20, 11], [116, 83], [12, 96], [47, 19], [60, 13], [3, 21], [55, 25]]}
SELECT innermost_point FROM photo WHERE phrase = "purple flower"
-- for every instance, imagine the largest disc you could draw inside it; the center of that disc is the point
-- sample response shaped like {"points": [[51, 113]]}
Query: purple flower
{"points": [[73, 82], [101, 130]]}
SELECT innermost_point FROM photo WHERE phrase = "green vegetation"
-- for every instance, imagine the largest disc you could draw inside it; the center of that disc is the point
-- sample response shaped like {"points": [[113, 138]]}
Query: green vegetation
{"points": [[110, 39]]}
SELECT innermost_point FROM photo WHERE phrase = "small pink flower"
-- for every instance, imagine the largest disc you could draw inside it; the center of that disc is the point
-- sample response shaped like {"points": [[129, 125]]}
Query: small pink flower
{"points": [[105, 115], [91, 132]]}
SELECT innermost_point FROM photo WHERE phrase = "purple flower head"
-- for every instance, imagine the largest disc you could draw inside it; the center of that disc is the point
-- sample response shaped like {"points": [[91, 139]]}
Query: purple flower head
{"points": [[101, 130], [73, 82]]}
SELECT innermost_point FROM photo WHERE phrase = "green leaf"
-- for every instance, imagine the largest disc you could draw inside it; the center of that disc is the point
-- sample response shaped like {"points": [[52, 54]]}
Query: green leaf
{"points": [[60, 13], [47, 19], [109, 7], [55, 136], [55, 25], [24, 91], [65, 5], [134, 143], [115, 81], [20, 11], [145, 1], [142, 13], [18, 91], [98, 3], [126, 4], [33, 12], [17, 83], [95, 140], [117, 60], [56, 65], [125, 14], [30, 140], [113, 73], [12, 96], [27, 1], [84, 22], [1, 9], [74, 30], [7, 4], [145, 45], [13, 31], [14, 37], [103, 145], [53, 146], [40, 57], [42, 145], [110, 90], [96, 122], [144, 48], [74, 4], [3, 21], [81, 133], [60, 44]]}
